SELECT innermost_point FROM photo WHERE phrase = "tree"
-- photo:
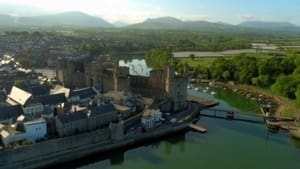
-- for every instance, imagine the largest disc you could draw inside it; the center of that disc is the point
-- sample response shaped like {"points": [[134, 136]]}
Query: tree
{"points": [[226, 75], [285, 86], [219, 66], [255, 81], [298, 95], [246, 68], [18, 83], [159, 58], [287, 66], [192, 56]]}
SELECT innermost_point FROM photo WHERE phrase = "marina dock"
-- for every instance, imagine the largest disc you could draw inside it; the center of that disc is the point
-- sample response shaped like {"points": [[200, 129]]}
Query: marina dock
{"points": [[197, 128]]}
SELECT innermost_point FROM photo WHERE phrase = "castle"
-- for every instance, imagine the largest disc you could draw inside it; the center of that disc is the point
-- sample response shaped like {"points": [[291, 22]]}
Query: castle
{"points": [[103, 74], [106, 75]]}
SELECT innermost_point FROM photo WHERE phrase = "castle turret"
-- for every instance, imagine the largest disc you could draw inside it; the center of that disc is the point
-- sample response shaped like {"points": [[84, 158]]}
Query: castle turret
{"points": [[176, 87]]}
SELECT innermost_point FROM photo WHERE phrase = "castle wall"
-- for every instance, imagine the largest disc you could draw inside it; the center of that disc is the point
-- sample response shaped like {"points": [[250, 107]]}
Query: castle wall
{"points": [[52, 146], [108, 82], [123, 84], [71, 74], [156, 79], [139, 81]]}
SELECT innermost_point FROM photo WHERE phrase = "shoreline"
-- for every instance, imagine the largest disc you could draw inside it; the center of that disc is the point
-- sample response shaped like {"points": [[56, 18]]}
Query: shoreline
{"points": [[68, 155], [34, 156], [281, 104]]}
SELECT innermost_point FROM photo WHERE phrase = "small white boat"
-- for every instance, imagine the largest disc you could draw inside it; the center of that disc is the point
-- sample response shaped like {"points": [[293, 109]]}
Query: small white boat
{"points": [[189, 87], [205, 91], [197, 89], [213, 93], [207, 88]]}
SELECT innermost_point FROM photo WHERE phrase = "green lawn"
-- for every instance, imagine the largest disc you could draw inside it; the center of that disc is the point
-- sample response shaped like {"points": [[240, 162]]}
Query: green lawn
{"points": [[207, 61], [202, 61]]}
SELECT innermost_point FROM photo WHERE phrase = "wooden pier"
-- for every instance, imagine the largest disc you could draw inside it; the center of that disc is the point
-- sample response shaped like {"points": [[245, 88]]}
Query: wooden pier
{"points": [[197, 128]]}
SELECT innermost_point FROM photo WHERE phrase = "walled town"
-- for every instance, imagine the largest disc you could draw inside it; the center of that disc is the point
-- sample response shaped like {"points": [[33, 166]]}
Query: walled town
{"points": [[99, 95]]}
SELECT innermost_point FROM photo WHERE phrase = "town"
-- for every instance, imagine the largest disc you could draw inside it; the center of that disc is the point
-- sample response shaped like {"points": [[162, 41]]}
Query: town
{"points": [[84, 99], [149, 84]]}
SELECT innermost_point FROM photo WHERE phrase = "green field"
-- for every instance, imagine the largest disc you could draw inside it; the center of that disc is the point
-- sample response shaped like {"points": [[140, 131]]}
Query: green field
{"points": [[207, 61]]}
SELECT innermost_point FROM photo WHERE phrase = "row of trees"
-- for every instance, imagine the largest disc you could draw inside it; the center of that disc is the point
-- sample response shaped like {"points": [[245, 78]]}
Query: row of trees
{"points": [[158, 58], [279, 73]]}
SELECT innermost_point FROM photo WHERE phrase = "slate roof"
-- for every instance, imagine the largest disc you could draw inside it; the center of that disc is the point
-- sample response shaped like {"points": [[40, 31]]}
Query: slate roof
{"points": [[52, 99], [84, 92], [38, 90], [71, 117], [59, 89], [107, 108], [8, 112]]}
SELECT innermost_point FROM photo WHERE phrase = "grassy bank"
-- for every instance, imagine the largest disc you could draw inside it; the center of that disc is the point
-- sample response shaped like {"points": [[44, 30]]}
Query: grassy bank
{"points": [[284, 106]]}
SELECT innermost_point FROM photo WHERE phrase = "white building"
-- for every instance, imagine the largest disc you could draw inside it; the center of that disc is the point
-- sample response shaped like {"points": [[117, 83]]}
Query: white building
{"points": [[35, 129], [31, 132], [151, 118]]}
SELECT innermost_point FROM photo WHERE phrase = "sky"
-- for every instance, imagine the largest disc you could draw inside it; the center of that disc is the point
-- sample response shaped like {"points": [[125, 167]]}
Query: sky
{"points": [[132, 11]]}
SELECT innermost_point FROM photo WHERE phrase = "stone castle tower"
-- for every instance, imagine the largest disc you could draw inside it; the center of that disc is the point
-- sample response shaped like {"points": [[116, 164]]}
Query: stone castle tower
{"points": [[71, 73], [176, 87], [103, 74]]}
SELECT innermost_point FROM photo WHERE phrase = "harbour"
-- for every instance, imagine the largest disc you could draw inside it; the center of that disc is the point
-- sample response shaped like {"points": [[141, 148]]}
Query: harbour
{"points": [[194, 149], [233, 144]]}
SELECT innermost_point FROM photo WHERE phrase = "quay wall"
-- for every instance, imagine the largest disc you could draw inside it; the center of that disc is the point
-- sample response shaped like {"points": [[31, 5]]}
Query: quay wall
{"points": [[51, 147], [35, 157]]}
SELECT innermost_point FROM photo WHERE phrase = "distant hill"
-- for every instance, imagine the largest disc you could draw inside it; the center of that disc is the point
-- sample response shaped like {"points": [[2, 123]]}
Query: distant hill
{"points": [[174, 23], [6, 20], [120, 24], [165, 20], [63, 19], [79, 19], [269, 25]]}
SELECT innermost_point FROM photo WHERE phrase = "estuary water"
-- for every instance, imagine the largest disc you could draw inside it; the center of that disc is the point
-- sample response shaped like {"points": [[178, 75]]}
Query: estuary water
{"points": [[227, 144]]}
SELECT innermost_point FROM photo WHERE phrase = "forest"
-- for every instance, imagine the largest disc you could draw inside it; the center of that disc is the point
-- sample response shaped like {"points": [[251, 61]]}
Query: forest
{"points": [[278, 73]]}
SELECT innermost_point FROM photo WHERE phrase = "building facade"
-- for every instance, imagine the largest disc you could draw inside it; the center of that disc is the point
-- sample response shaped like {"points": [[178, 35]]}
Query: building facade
{"points": [[101, 116], [31, 131], [71, 123]]}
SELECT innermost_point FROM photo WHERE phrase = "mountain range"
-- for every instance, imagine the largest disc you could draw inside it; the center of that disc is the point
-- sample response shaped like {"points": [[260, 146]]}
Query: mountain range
{"points": [[79, 19], [62, 19]]}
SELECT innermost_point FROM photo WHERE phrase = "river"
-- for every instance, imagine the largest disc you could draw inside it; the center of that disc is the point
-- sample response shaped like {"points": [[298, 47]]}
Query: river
{"points": [[227, 144]]}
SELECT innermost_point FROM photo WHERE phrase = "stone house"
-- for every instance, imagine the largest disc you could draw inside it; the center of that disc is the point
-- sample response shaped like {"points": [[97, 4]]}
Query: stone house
{"points": [[71, 123], [101, 116]]}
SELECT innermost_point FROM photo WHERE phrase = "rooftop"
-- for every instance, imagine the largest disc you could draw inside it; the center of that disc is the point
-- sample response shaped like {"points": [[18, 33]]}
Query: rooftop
{"points": [[149, 112], [121, 108], [84, 92], [60, 89], [18, 95], [71, 117], [53, 99], [35, 121], [7, 112], [106, 108]]}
